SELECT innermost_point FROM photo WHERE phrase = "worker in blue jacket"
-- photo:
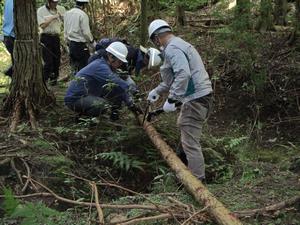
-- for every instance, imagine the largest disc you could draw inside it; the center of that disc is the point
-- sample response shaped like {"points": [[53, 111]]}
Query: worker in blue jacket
{"points": [[137, 58], [9, 32], [97, 87]]}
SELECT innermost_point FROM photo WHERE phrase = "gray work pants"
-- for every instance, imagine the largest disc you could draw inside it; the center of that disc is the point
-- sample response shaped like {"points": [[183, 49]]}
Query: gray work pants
{"points": [[190, 121]]}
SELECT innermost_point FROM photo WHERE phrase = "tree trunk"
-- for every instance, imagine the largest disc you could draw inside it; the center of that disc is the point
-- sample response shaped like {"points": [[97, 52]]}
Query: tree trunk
{"points": [[265, 21], [215, 208], [296, 32], [144, 22], [242, 15], [153, 9], [28, 92], [180, 14], [280, 12]]}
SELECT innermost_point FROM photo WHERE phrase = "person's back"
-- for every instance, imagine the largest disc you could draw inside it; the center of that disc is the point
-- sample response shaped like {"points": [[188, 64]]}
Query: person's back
{"points": [[93, 80], [78, 35], [134, 57], [199, 82], [73, 26]]}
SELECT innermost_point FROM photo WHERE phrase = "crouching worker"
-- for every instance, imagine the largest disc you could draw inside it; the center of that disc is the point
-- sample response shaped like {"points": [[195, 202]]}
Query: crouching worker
{"points": [[137, 58], [97, 87]]}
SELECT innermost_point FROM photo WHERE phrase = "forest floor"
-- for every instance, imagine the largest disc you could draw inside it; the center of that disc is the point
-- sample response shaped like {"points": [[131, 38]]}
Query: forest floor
{"points": [[243, 173]]}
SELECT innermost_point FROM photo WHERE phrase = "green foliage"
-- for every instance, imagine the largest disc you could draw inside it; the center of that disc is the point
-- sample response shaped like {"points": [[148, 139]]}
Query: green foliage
{"points": [[10, 203], [164, 181], [188, 4], [34, 214], [43, 144], [122, 160], [56, 164]]}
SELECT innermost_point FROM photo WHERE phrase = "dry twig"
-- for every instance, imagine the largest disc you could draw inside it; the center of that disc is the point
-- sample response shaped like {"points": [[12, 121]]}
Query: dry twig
{"points": [[99, 210]]}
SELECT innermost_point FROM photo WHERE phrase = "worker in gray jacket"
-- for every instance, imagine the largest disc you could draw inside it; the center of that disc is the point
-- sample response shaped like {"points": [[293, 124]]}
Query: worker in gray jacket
{"points": [[78, 35], [185, 78]]}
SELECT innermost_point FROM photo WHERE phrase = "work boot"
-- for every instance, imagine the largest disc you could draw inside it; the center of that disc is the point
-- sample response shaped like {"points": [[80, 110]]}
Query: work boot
{"points": [[181, 154]]}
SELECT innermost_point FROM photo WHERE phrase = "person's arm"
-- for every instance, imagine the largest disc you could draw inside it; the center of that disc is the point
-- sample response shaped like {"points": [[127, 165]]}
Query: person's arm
{"points": [[182, 73], [44, 22], [85, 28], [124, 88]]}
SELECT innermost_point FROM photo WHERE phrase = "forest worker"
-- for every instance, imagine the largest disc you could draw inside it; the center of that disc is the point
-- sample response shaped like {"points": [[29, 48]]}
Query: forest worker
{"points": [[50, 18], [9, 32], [137, 58], [97, 85], [78, 35], [186, 80]]}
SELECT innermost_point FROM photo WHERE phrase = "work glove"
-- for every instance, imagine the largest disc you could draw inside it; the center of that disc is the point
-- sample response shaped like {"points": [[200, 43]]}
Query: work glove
{"points": [[169, 107], [153, 96]]}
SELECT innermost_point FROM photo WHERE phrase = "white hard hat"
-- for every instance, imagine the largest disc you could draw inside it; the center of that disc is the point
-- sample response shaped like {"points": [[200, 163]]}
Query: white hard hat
{"points": [[157, 25], [119, 50], [82, 1], [154, 57]]}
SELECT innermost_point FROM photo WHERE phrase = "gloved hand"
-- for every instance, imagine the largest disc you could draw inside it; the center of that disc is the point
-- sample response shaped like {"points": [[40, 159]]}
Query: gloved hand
{"points": [[153, 96], [135, 109], [169, 107]]}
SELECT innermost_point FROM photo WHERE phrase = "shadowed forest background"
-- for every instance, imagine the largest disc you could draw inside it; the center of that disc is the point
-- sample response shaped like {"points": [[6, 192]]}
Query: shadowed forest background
{"points": [[251, 50]]}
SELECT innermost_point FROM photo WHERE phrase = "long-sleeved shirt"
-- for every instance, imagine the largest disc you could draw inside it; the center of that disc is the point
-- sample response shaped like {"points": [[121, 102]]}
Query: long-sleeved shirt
{"points": [[183, 73], [76, 26], [8, 19], [44, 12], [97, 79]]}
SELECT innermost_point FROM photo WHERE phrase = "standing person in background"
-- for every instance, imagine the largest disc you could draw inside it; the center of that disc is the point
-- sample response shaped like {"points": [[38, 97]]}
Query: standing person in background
{"points": [[185, 79], [8, 32], [78, 35], [50, 18]]}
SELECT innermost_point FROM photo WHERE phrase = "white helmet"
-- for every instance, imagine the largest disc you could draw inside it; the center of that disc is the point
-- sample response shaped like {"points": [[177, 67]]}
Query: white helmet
{"points": [[119, 50], [82, 1], [154, 57], [156, 25]]}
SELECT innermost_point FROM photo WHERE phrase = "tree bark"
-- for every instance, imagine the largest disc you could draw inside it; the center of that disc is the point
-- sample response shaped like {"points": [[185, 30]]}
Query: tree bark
{"points": [[294, 36], [28, 91], [215, 208], [280, 12], [144, 22], [242, 15], [265, 22], [180, 14]]}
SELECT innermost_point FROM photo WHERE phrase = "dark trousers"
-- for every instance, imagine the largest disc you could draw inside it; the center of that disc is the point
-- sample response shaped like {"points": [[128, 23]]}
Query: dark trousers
{"points": [[79, 55], [51, 56], [9, 44]]}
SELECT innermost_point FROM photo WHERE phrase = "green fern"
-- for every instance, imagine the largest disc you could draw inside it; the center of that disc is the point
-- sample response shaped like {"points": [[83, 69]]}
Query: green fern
{"points": [[122, 160], [236, 141], [34, 214], [10, 202]]}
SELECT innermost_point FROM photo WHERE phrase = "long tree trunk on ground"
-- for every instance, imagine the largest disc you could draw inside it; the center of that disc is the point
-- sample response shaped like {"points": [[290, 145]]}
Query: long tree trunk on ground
{"points": [[28, 92], [265, 21], [280, 12], [144, 22], [215, 208]]}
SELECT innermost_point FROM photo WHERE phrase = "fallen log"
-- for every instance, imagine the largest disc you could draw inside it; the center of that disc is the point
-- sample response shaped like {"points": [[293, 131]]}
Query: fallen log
{"points": [[214, 207], [268, 209]]}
